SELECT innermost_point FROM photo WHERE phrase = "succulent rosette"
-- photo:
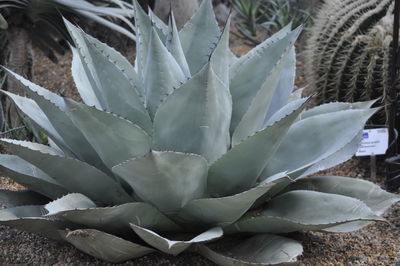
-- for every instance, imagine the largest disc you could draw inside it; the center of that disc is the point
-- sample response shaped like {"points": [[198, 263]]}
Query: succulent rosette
{"points": [[187, 149]]}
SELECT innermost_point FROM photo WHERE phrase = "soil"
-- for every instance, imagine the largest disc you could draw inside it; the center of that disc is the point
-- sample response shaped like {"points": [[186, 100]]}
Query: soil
{"points": [[377, 244]]}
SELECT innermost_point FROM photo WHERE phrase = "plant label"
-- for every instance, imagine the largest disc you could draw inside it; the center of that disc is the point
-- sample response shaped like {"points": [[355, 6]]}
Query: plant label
{"points": [[374, 142]]}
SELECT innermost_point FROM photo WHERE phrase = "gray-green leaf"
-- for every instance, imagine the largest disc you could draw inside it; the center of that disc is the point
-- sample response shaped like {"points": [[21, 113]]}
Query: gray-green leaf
{"points": [[143, 32], [174, 46], [162, 73], [54, 108], [316, 138], [116, 91], [285, 85], [116, 219], [335, 107], [30, 176], [221, 56], [71, 201], [29, 219], [93, 242], [240, 167], [168, 180], [258, 250], [199, 36], [248, 74], [171, 246], [372, 195], [304, 210], [225, 210], [74, 175], [341, 156], [195, 118], [253, 118], [114, 138]]}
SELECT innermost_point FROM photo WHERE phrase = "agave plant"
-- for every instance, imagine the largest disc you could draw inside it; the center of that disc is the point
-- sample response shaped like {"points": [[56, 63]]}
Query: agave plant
{"points": [[190, 146]]}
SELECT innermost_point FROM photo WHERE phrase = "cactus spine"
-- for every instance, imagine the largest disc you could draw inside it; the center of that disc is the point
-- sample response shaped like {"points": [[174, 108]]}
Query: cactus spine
{"points": [[349, 50]]}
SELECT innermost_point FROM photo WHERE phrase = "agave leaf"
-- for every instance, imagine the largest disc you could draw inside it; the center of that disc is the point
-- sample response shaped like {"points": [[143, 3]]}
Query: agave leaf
{"points": [[120, 61], [226, 210], [195, 117], [168, 180], [143, 31], [30, 176], [285, 85], [220, 57], [79, 209], [162, 73], [69, 202], [304, 210], [106, 76], [279, 187], [171, 246], [372, 195], [341, 156], [82, 81], [34, 91], [74, 175], [199, 36], [257, 250], [254, 117], [335, 107], [327, 134], [92, 242], [174, 46], [23, 197], [114, 139], [116, 219], [284, 111], [33, 111], [236, 170], [87, 65], [259, 48], [161, 27], [248, 74], [29, 219], [54, 108]]}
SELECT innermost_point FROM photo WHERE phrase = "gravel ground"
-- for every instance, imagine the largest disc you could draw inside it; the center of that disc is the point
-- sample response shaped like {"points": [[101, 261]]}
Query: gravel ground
{"points": [[377, 244]]}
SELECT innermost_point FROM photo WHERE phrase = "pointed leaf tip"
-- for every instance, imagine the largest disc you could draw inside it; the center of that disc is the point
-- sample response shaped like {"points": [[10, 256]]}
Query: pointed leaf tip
{"points": [[175, 247]]}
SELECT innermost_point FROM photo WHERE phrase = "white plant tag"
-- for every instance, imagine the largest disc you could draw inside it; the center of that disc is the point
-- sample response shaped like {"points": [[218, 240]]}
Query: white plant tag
{"points": [[374, 142]]}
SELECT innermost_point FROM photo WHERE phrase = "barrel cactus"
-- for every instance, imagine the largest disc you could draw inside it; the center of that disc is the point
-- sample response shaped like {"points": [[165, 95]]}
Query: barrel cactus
{"points": [[188, 149], [349, 50]]}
